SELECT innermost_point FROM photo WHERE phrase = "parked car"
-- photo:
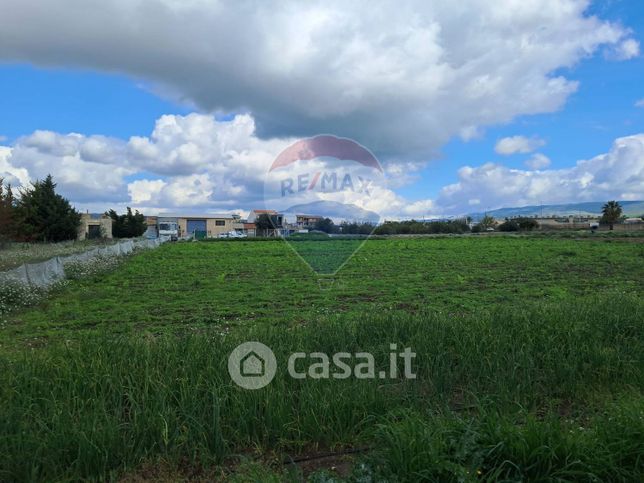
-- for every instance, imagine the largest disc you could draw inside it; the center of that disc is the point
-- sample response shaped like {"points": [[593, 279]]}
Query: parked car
{"points": [[232, 234]]}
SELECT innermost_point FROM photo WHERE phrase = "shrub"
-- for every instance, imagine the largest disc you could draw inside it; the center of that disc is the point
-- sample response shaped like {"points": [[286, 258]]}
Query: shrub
{"points": [[355, 228], [509, 225], [326, 225], [413, 227], [487, 222], [527, 224], [129, 225]]}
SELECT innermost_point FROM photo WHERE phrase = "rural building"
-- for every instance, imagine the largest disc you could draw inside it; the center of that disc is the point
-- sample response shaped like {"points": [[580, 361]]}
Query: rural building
{"points": [[93, 225], [306, 221], [198, 225], [567, 222], [253, 215], [211, 225], [278, 220], [285, 223]]}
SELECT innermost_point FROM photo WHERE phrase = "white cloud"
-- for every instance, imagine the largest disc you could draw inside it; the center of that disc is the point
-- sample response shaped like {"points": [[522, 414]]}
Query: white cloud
{"points": [[199, 163], [192, 190], [639, 103], [538, 161], [10, 173], [400, 78], [87, 168], [518, 144], [624, 50], [145, 191], [618, 174], [186, 161]]}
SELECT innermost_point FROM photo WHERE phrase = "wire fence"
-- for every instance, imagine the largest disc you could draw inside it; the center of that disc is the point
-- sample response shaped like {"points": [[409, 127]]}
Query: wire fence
{"points": [[47, 273]]}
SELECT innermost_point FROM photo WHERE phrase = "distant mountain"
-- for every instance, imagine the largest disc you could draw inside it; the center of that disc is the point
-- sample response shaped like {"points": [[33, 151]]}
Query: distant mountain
{"points": [[334, 210], [631, 208]]}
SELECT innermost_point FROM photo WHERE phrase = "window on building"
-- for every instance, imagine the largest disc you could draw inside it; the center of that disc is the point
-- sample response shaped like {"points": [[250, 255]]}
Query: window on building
{"points": [[220, 222]]}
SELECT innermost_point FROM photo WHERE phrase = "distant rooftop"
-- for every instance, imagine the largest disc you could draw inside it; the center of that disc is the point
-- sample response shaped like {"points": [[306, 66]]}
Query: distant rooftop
{"points": [[269, 212], [195, 215]]}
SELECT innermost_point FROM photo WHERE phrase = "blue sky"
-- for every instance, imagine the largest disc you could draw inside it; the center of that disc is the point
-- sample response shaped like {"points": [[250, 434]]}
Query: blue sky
{"points": [[602, 109], [91, 98], [73, 100]]}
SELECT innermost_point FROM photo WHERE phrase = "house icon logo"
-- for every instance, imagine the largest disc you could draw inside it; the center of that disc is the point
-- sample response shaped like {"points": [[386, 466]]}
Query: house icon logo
{"points": [[252, 365]]}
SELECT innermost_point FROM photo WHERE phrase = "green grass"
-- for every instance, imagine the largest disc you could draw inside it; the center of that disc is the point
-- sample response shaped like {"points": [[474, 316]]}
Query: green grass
{"points": [[15, 254], [495, 447], [186, 287], [529, 363]]}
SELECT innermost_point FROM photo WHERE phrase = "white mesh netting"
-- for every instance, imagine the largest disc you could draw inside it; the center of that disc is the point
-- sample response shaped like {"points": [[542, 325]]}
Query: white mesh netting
{"points": [[47, 273]]}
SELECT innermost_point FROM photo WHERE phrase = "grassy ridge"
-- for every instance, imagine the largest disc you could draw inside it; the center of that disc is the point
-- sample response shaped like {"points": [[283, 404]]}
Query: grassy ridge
{"points": [[547, 390]]}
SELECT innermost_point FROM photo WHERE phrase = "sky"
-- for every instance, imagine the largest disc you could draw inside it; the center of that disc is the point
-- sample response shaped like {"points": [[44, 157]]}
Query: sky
{"points": [[167, 105]]}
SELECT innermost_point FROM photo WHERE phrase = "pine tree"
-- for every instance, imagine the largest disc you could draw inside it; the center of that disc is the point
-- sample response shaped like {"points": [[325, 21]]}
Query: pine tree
{"points": [[45, 215], [7, 221]]}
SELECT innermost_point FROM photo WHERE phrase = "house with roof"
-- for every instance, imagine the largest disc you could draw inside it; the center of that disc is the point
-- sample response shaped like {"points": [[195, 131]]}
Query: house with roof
{"points": [[254, 214], [306, 221], [277, 219]]}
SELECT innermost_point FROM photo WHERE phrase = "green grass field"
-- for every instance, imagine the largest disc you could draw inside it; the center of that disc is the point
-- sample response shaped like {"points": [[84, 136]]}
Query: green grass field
{"points": [[529, 364], [15, 254]]}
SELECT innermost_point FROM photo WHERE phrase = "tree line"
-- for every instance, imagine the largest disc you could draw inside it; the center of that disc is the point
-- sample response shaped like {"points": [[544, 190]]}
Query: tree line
{"points": [[407, 227], [39, 214], [611, 214]]}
